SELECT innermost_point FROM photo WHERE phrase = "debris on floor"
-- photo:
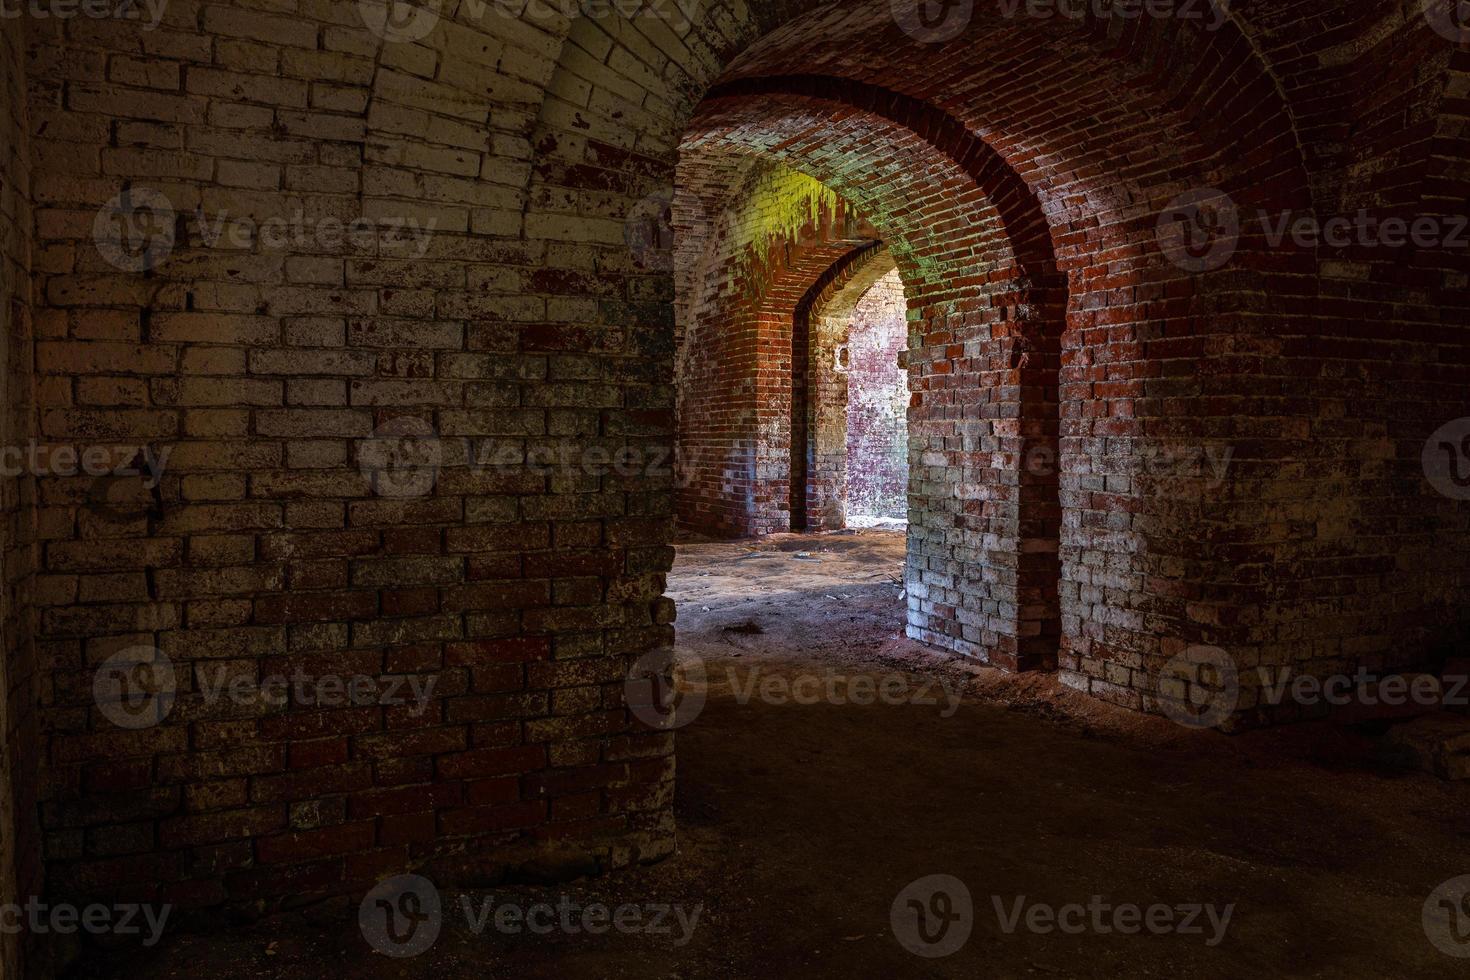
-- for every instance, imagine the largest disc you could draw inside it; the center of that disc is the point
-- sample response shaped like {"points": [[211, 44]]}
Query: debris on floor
{"points": [[748, 628], [1437, 743]]}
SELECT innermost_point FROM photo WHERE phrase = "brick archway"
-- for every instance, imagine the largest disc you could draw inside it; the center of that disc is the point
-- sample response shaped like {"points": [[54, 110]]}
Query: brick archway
{"points": [[984, 377], [819, 321]]}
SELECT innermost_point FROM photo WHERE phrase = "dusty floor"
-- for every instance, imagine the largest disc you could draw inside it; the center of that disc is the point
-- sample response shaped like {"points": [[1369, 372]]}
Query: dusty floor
{"points": [[801, 823]]}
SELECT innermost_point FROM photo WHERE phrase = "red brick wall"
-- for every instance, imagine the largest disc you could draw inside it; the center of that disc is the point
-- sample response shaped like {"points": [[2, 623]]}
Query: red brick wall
{"points": [[961, 276], [522, 592], [20, 858], [877, 403], [772, 245]]}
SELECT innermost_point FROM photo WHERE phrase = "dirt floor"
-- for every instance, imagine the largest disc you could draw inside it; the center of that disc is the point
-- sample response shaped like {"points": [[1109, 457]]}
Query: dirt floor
{"points": [[801, 823]]}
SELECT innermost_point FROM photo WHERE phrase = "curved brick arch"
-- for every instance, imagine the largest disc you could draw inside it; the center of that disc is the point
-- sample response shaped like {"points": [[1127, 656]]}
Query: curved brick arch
{"points": [[1233, 55], [1016, 208], [838, 294], [823, 317], [741, 417], [984, 375], [818, 392]]}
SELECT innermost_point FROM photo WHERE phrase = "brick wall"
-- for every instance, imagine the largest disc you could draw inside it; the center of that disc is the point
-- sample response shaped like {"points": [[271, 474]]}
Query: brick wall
{"points": [[262, 358], [779, 238], [20, 858], [877, 403], [1150, 563]]}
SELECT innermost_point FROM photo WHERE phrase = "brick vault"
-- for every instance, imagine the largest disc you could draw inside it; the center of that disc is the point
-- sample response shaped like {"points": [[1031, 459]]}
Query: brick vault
{"points": [[339, 295]]}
